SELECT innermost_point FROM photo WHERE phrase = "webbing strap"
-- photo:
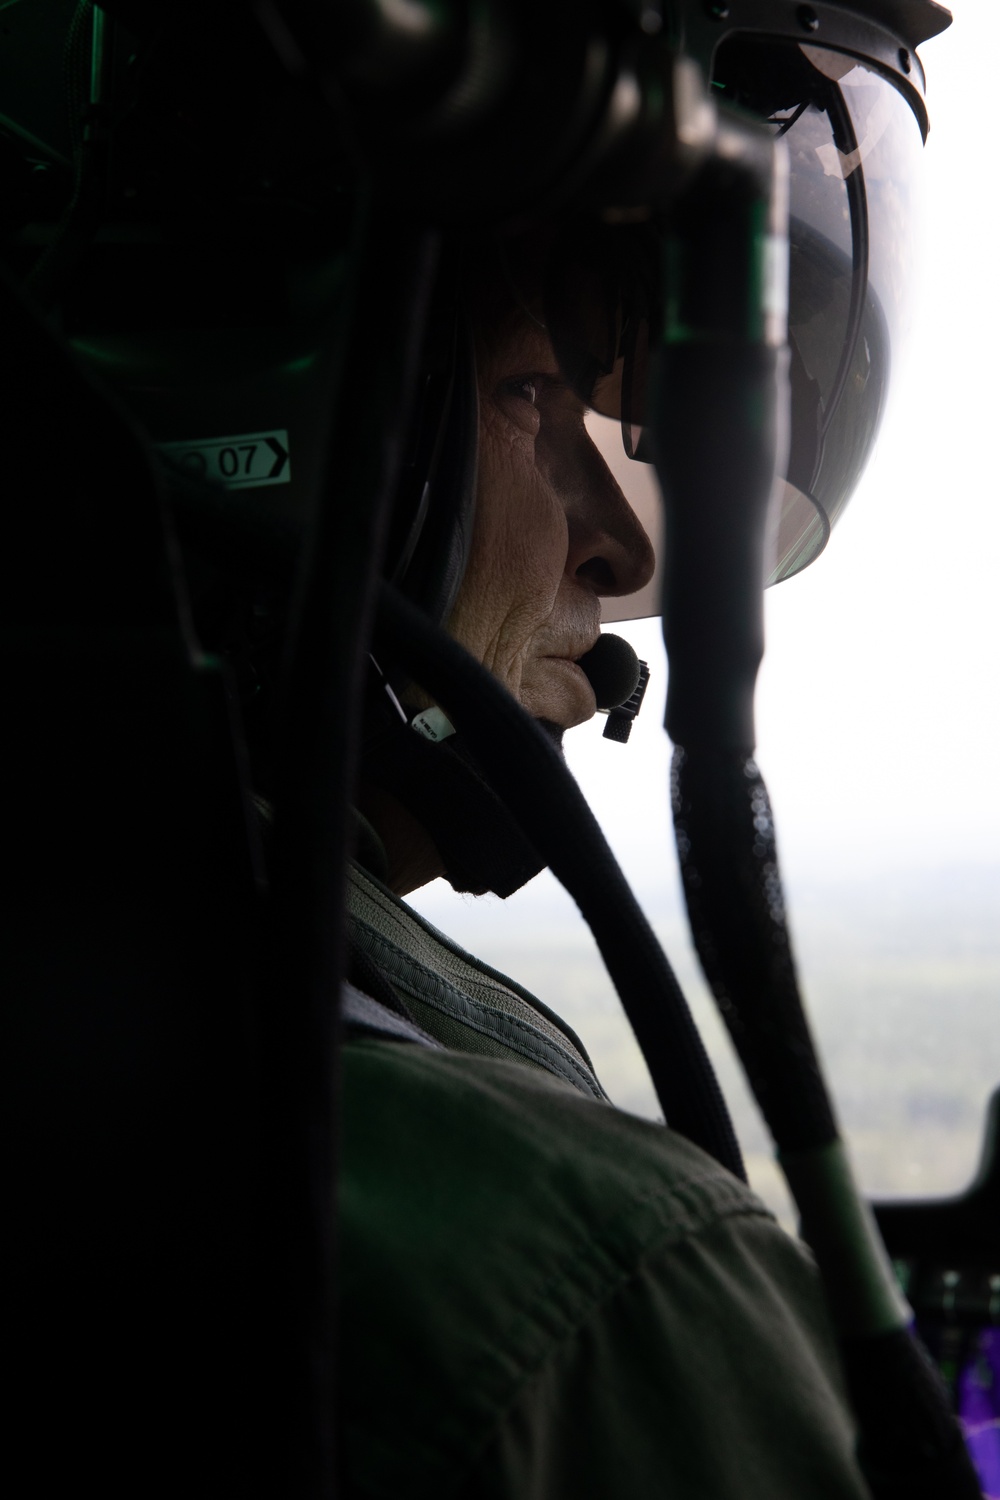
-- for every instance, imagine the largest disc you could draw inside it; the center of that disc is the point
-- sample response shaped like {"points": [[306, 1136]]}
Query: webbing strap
{"points": [[361, 1013]]}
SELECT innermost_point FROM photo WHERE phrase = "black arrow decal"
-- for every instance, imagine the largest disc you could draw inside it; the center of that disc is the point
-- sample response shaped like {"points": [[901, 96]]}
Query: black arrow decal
{"points": [[280, 456]]}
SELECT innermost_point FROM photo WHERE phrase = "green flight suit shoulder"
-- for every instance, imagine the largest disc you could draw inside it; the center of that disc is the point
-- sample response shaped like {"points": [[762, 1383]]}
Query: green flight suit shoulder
{"points": [[545, 1297]]}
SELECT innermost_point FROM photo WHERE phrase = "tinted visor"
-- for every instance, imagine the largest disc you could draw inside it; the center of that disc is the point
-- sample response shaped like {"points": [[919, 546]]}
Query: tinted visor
{"points": [[853, 145]]}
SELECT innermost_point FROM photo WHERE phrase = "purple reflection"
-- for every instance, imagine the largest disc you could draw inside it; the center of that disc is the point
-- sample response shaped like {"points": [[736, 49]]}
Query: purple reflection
{"points": [[979, 1408]]}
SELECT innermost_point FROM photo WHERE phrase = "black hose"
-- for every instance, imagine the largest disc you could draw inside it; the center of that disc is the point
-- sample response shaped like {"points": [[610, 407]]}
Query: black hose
{"points": [[910, 1446], [732, 886], [717, 492]]}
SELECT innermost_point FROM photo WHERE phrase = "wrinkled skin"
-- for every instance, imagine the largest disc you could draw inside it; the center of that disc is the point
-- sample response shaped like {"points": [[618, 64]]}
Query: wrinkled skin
{"points": [[553, 533]]}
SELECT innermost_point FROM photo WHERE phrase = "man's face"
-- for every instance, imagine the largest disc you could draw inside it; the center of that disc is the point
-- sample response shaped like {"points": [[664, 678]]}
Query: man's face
{"points": [[553, 533]]}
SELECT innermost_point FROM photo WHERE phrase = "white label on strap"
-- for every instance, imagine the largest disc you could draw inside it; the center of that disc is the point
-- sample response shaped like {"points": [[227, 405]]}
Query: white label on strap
{"points": [[433, 724]]}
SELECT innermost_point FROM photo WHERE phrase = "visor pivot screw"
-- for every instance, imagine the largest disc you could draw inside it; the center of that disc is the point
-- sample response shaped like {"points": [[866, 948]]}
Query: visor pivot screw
{"points": [[808, 19], [904, 60], [716, 10]]}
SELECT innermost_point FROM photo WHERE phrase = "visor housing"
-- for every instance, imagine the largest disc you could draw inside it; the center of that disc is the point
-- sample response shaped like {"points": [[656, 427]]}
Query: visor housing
{"points": [[853, 142]]}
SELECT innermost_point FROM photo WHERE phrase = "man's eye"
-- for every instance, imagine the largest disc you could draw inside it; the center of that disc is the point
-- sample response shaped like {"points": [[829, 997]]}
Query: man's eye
{"points": [[525, 388], [520, 398]]}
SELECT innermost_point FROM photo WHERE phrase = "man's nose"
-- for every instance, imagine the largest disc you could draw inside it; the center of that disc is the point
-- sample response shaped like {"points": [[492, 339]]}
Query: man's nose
{"points": [[608, 547]]}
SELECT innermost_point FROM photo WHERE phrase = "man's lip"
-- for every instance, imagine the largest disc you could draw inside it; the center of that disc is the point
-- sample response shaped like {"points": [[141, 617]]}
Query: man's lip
{"points": [[575, 651]]}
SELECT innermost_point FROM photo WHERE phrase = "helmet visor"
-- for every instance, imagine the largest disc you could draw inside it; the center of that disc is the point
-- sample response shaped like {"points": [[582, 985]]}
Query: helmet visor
{"points": [[853, 144]]}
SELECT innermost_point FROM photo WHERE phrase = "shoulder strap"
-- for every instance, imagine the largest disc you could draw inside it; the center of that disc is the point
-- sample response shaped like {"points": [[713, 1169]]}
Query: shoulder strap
{"points": [[363, 1014]]}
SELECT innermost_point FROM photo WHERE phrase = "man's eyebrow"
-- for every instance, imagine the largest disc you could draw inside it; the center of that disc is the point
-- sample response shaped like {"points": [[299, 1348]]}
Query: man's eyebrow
{"points": [[527, 336], [548, 374]]}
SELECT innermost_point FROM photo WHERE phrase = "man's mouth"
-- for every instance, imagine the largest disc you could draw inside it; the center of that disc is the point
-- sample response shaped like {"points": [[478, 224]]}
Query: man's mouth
{"points": [[580, 646]]}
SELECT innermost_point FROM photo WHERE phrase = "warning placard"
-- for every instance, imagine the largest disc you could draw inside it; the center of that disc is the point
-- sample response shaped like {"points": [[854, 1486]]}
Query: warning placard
{"points": [[240, 463]]}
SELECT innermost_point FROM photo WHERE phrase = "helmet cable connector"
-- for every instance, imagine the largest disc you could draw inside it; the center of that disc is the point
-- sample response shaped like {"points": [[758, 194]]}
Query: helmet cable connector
{"points": [[621, 719]]}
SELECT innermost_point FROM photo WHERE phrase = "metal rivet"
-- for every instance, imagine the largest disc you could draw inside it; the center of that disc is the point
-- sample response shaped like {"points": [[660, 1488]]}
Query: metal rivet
{"points": [[716, 10], [808, 19], [904, 60]]}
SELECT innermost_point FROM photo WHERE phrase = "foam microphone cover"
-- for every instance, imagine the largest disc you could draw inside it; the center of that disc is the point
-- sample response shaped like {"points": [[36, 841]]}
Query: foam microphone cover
{"points": [[613, 670]]}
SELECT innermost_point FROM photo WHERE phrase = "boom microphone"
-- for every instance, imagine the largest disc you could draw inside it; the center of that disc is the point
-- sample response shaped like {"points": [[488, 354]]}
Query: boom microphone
{"points": [[619, 680], [612, 668]]}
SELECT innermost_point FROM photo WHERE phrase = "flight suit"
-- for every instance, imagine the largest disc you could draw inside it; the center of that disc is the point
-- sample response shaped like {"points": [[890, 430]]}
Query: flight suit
{"points": [[546, 1297]]}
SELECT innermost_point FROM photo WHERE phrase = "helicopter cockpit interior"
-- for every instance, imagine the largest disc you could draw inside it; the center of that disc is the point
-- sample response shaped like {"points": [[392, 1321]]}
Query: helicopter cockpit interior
{"points": [[240, 481]]}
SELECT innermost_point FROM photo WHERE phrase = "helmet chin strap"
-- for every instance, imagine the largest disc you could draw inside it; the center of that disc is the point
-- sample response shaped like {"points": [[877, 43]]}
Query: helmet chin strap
{"points": [[429, 768], [619, 680], [442, 786]]}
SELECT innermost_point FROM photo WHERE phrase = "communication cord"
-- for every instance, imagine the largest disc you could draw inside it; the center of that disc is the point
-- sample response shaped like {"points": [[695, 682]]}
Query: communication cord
{"points": [[717, 497]]}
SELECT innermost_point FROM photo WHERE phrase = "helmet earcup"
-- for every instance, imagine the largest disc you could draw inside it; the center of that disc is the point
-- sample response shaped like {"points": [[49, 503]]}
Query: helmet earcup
{"points": [[430, 528]]}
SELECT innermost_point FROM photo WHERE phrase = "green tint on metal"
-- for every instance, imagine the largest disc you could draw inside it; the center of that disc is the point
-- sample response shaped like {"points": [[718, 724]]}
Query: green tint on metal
{"points": [[302, 364]]}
